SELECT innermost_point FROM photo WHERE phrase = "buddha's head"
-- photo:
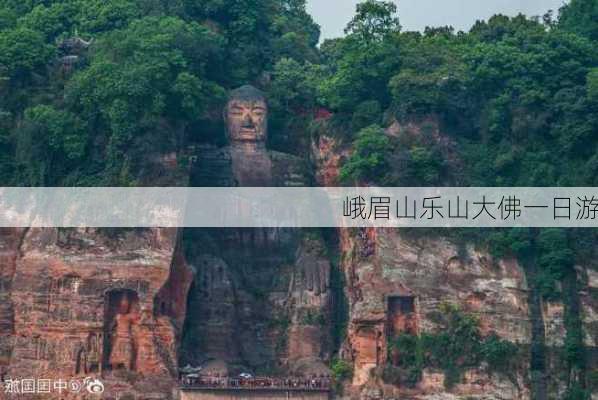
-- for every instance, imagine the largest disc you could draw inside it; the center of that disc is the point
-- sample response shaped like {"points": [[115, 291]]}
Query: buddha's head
{"points": [[124, 305], [246, 115]]}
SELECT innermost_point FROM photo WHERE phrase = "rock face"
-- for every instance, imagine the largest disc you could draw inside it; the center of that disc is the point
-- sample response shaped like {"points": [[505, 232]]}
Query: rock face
{"points": [[92, 303], [231, 395], [99, 304], [589, 304], [397, 287], [328, 158], [10, 243], [396, 282]]}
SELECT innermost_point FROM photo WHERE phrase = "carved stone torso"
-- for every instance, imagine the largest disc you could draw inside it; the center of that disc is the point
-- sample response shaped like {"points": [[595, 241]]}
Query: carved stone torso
{"points": [[251, 165]]}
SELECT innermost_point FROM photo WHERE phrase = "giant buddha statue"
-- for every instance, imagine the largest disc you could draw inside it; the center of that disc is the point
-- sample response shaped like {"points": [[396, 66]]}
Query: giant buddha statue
{"points": [[260, 294]]}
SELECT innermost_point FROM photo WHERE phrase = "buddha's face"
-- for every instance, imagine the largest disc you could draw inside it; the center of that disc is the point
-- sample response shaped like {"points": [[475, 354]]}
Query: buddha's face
{"points": [[247, 120]]}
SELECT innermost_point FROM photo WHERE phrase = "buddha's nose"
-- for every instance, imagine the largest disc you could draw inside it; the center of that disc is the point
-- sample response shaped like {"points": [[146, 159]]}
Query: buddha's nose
{"points": [[248, 122]]}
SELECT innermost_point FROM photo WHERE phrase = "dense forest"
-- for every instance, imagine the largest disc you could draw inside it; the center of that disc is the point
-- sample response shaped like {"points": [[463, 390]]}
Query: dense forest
{"points": [[89, 89]]}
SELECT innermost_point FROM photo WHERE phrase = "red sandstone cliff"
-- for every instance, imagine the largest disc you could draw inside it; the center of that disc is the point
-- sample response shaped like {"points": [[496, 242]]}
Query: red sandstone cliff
{"points": [[64, 287], [396, 282]]}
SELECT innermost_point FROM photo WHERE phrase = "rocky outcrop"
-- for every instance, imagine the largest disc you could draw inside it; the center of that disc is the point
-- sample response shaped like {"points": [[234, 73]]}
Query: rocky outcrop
{"points": [[328, 157], [131, 306]]}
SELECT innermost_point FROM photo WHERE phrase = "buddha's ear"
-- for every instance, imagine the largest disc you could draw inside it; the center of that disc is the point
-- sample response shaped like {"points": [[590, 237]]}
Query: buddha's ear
{"points": [[225, 120]]}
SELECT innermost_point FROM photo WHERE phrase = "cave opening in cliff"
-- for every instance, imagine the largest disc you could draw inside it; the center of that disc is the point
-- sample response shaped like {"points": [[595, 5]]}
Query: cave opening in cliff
{"points": [[401, 315], [121, 317]]}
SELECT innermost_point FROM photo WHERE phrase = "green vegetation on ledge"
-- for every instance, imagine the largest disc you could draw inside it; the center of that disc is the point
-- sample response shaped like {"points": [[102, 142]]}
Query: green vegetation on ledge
{"points": [[458, 345]]}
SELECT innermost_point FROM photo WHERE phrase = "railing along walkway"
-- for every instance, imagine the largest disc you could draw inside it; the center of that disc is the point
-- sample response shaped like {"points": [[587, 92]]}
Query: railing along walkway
{"points": [[261, 384]]}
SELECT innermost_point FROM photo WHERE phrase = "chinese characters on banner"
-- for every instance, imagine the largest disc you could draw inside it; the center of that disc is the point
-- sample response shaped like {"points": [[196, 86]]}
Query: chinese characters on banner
{"points": [[507, 207]]}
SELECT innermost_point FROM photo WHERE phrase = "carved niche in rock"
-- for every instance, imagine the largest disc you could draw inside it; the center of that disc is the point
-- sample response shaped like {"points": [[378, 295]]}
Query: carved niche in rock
{"points": [[402, 317], [88, 355], [369, 344], [369, 348]]}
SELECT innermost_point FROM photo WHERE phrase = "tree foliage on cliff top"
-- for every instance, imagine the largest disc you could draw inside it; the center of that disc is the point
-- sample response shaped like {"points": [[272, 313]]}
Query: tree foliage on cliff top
{"points": [[154, 71]]}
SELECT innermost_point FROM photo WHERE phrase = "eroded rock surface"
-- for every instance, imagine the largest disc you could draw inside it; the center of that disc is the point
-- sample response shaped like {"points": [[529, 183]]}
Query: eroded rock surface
{"points": [[399, 286], [260, 301], [98, 303], [132, 306]]}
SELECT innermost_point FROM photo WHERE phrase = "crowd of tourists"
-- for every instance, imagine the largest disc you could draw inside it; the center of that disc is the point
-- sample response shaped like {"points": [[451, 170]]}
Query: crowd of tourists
{"points": [[314, 382]]}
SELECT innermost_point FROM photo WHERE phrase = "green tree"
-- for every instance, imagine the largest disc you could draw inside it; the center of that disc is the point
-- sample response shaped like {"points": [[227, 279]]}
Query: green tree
{"points": [[369, 159], [581, 17], [294, 86], [22, 52], [49, 143], [139, 80], [374, 19], [258, 33], [592, 85], [366, 113], [340, 369], [357, 72]]}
